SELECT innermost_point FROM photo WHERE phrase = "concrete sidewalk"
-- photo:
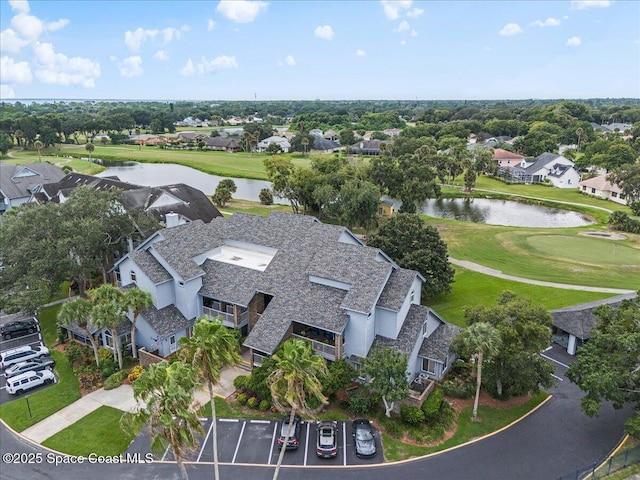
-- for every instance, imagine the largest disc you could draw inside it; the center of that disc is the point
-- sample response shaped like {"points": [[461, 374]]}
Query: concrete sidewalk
{"points": [[120, 398]]}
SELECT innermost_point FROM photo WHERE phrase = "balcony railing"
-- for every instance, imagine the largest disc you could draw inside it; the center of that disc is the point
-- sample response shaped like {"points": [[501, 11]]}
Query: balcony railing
{"points": [[324, 349], [227, 318]]}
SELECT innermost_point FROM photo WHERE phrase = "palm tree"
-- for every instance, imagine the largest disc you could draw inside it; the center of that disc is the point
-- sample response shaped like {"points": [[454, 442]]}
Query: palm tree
{"points": [[109, 311], [79, 311], [164, 393], [304, 142], [296, 379], [211, 348], [483, 340], [138, 139], [90, 147], [137, 300]]}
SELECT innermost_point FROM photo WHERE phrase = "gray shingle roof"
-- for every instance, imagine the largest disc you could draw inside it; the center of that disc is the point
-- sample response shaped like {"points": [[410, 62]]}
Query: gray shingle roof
{"points": [[166, 321], [13, 186], [396, 289], [148, 264], [436, 346], [409, 332], [579, 320]]}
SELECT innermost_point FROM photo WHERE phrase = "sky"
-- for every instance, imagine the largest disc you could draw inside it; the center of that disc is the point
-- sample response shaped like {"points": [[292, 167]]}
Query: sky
{"points": [[328, 50]]}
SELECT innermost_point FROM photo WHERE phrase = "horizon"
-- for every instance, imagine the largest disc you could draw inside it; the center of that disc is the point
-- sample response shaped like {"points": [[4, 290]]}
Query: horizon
{"points": [[319, 50]]}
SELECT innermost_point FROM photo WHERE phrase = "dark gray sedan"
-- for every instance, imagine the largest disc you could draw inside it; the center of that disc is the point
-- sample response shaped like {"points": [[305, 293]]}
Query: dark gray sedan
{"points": [[33, 365]]}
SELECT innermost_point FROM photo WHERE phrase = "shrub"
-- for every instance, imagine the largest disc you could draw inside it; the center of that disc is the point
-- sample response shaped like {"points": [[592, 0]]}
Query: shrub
{"points": [[341, 374], [115, 380], [265, 196], [105, 354], [411, 415], [621, 221], [394, 429], [264, 406], [135, 373], [108, 367], [88, 377], [446, 418], [431, 406], [362, 401], [242, 398], [253, 402], [240, 382]]}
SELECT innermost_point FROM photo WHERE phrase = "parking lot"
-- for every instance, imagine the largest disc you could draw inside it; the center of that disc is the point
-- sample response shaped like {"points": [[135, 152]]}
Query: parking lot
{"points": [[250, 441], [32, 339]]}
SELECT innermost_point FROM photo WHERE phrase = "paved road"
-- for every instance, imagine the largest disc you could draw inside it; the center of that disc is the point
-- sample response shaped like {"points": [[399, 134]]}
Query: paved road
{"points": [[556, 439]]}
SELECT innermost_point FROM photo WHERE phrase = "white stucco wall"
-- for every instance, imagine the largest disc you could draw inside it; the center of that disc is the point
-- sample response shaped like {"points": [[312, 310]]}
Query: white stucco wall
{"points": [[386, 323], [186, 295], [359, 334]]}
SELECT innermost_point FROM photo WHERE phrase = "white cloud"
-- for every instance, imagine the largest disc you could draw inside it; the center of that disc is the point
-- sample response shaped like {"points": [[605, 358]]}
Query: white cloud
{"points": [[57, 25], [6, 92], [510, 29], [113, 58], [57, 68], [161, 55], [392, 8], [549, 22], [131, 67], [404, 25], [584, 4], [403, 42], [574, 42], [170, 33], [210, 25], [10, 41], [324, 31], [133, 40], [361, 53], [414, 33], [415, 13], [290, 60], [223, 62], [240, 11], [20, 6], [14, 72], [28, 26]]}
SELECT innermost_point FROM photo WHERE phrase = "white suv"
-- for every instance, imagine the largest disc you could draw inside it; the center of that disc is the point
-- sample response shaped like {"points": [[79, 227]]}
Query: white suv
{"points": [[28, 380], [22, 354]]}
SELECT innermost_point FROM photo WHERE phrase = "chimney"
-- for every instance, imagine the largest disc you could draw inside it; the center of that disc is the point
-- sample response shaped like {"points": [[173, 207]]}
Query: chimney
{"points": [[172, 219]]}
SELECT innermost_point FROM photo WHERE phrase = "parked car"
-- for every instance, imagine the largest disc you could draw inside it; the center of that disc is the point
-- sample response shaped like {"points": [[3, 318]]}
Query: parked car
{"points": [[19, 328], [22, 354], [363, 438], [292, 444], [36, 365], [28, 380], [327, 445]]}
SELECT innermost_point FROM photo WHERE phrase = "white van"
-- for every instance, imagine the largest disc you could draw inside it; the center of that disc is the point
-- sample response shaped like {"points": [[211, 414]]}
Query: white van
{"points": [[28, 380], [22, 354]]}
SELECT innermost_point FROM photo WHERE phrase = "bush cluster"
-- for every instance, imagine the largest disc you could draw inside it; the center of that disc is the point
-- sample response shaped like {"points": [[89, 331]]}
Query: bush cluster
{"points": [[621, 221], [431, 406], [411, 415], [135, 373], [362, 401], [115, 380]]}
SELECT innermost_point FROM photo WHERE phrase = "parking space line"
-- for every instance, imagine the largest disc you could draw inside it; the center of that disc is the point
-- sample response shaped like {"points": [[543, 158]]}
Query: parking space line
{"points": [[165, 454], [273, 441], [306, 446], [235, 454], [557, 377], [230, 420], [344, 442], [205, 442], [259, 421], [554, 360]]}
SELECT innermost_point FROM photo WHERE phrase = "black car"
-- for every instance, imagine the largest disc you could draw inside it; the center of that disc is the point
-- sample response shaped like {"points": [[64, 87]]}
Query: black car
{"points": [[292, 444], [19, 328], [363, 438], [33, 365], [327, 445]]}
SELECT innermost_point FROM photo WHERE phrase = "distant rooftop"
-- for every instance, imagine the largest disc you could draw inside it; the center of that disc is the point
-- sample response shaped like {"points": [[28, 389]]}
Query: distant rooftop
{"points": [[243, 257]]}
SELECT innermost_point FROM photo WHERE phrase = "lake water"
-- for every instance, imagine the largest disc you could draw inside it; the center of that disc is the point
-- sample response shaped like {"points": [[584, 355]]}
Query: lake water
{"points": [[504, 212], [478, 210]]}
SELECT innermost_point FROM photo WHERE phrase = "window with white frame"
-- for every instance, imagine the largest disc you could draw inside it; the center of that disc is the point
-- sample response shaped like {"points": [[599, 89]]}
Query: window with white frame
{"points": [[429, 366], [133, 276]]}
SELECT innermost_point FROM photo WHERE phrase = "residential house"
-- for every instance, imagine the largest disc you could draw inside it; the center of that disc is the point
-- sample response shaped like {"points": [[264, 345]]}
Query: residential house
{"points": [[392, 132], [282, 142], [285, 276], [556, 169], [18, 183], [572, 326], [368, 147], [601, 187], [325, 145], [332, 136], [316, 132], [222, 144], [505, 158], [192, 137], [385, 209], [171, 205]]}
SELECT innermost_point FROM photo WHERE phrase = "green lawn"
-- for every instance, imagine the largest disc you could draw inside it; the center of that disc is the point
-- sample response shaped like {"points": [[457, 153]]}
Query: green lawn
{"points": [[491, 419], [44, 402], [472, 289], [49, 324], [98, 433], [238, 165], [77, 165]]}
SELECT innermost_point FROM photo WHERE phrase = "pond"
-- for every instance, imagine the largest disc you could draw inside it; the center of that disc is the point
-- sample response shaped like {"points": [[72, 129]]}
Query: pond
{"points": [[479, 210], [156, 174], [504, 212]]}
